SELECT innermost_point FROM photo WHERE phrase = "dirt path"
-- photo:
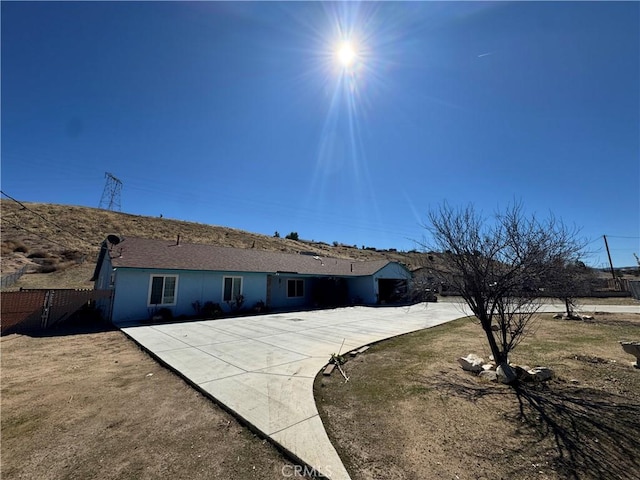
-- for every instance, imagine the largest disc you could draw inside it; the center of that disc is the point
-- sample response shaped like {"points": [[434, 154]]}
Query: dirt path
{"points": [[95, 406]]}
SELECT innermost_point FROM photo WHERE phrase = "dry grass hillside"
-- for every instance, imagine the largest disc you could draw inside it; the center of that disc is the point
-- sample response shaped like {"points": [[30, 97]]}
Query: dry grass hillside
{"points": [[58, 244]]}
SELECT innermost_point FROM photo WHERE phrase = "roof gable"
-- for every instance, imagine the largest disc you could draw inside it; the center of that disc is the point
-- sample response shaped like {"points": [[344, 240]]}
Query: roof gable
{"points": [[168, 255]]}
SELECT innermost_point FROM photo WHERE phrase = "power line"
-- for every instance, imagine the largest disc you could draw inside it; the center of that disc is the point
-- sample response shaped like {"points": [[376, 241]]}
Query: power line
{"points": [[24, 207], [619, 236], [36, 233]]}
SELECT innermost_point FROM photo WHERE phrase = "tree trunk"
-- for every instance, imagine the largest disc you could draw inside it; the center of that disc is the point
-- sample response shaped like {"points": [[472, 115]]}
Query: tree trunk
{"points": [[498, 356], [567, 304]]}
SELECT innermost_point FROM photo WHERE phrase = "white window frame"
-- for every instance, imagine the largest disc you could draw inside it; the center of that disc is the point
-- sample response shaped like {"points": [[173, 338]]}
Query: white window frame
{"points": [[297, 293], [233, 280], [175, 291]]}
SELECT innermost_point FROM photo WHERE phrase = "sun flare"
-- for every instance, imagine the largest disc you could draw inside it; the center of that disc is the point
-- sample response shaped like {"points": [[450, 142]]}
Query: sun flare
{"points": [[346, 54]]}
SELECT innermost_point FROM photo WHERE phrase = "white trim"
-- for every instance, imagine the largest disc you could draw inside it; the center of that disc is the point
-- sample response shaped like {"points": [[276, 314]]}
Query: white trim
{"points": [[175, 293], [232, 277]]}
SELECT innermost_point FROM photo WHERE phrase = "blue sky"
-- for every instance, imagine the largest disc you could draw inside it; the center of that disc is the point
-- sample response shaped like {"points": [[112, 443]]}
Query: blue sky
{"points": [[240, 114]]}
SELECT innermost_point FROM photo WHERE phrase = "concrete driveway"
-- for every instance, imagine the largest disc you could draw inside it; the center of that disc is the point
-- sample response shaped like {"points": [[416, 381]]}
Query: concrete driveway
{"points": [[263, 367]]}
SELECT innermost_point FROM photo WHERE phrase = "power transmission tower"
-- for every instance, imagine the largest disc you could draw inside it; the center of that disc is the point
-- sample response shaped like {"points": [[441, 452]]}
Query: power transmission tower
{"points": [[110, 199]]}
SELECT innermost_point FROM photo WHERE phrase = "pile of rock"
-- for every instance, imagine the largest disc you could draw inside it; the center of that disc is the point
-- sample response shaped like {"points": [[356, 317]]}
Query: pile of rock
{"points": [[574, 316], [504, 373]]}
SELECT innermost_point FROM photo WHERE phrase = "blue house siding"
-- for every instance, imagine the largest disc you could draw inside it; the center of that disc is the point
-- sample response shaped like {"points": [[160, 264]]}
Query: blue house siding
{"points": [[130, 302], [133, 287], [103, 279], [278, 295], [393, 289], [362, 290], [103, 282], [393, 271]]}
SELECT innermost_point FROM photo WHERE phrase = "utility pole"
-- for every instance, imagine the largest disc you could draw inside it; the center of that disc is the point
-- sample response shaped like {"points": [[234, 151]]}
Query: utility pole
{"points": [[110, 199], [613, 273]]}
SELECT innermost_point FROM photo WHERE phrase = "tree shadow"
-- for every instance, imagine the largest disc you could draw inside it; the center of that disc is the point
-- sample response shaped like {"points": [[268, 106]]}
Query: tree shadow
{"points": [[595, 433]]}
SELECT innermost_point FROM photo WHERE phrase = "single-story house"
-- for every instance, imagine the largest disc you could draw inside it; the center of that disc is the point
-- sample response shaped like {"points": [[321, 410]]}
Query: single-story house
{"points": [[147, 275]]}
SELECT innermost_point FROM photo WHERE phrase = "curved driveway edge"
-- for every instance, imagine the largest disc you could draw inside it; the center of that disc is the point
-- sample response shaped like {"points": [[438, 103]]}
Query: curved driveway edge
{"points": [[263, 367]]}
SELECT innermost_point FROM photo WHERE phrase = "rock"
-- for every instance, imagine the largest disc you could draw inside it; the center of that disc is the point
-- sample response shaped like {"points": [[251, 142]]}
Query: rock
{"points": [[488, 366], [557, 316], [541, 374], [632, 348], [489, 375], [587, 317], [522, 374], [495, 328], [506, 374], [471, 363]]}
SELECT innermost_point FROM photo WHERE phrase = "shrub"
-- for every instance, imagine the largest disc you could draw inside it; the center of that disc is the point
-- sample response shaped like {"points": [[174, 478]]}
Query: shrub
{"points": [[293, 236], [47, 268], [211, 310], [9, 246], [260, 307], [74, 255], [161, 315], [39, 254], [20, 247]]}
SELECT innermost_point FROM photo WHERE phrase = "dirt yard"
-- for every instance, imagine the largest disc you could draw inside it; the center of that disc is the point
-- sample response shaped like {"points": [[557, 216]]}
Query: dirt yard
{"points": [[94, 406], [408, 411]]}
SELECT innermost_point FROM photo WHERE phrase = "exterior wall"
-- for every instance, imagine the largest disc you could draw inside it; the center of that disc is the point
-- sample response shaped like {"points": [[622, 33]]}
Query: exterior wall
{"points": [[279, 298], [103, 282], [130, 300], [362, 290], [365, 289], [392, 271], [132, 291]]}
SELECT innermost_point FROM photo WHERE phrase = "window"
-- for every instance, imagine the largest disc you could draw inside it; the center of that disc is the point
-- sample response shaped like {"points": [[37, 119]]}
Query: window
{"points": [[232, 288], [295, 288], [162, 289]]}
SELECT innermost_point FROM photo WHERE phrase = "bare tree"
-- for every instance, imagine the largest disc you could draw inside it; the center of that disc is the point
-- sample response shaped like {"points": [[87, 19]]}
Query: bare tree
{"points": [[499, 266], [570, 280]]}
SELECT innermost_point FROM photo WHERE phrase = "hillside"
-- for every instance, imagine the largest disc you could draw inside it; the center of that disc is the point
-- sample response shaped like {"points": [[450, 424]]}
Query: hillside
{"points": [[58, 243]]}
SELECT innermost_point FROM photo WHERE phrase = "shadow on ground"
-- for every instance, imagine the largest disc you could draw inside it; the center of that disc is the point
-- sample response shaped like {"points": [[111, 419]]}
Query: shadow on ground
{"points": [[81, 326], [595, 433], [585, 433]]}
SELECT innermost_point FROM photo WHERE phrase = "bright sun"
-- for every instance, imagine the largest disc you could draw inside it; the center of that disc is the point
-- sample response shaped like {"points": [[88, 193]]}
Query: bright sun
{"points": [[346, 54]]}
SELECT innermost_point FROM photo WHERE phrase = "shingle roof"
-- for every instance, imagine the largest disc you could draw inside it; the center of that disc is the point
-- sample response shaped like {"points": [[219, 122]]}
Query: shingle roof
{"points": [[167, 255]]}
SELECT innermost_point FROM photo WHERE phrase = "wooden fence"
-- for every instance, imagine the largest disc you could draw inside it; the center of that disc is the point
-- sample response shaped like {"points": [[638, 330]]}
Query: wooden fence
{"points": [[33, 310]]}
